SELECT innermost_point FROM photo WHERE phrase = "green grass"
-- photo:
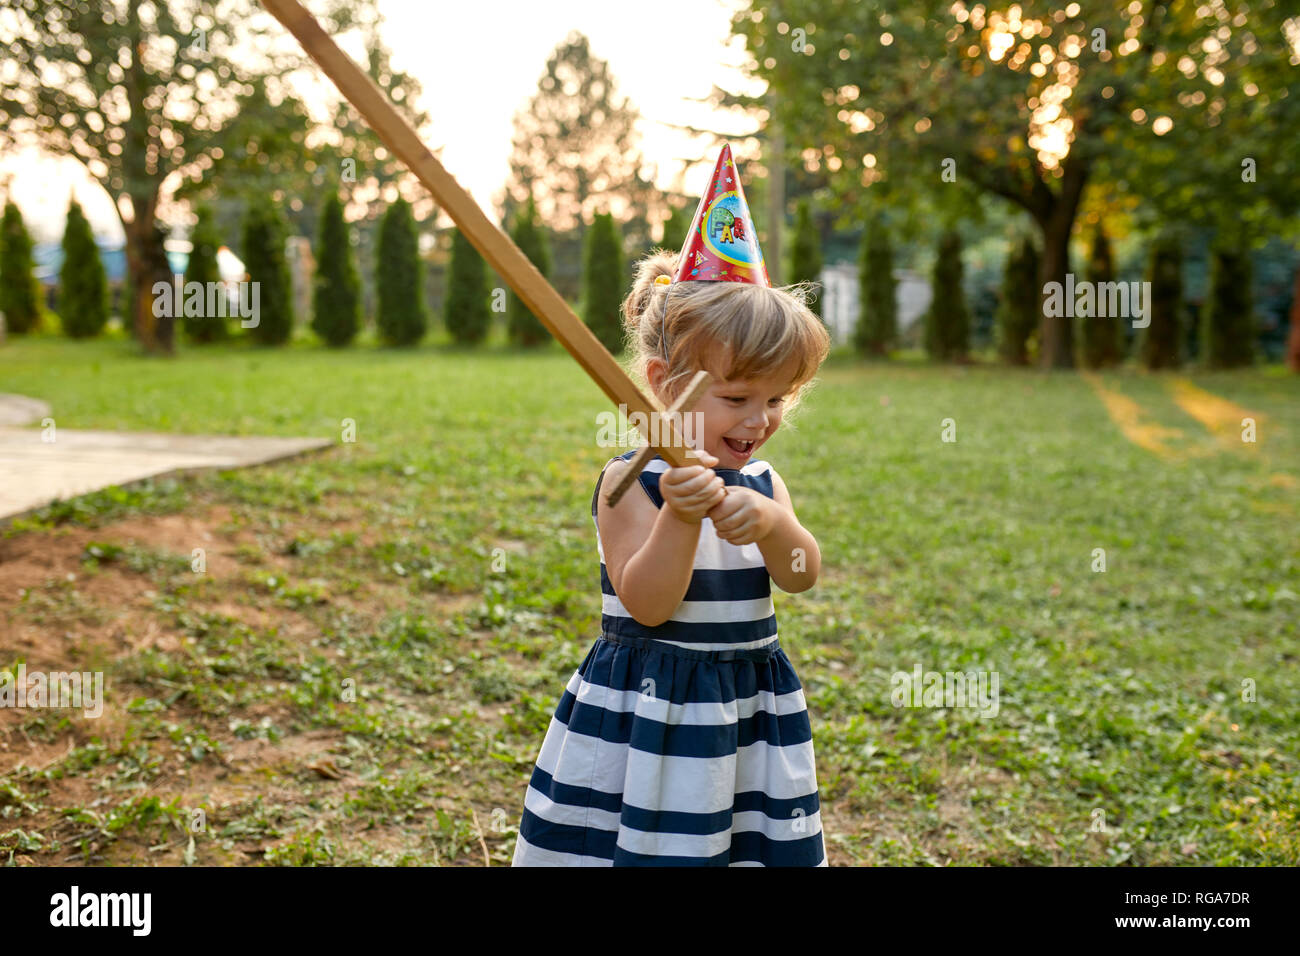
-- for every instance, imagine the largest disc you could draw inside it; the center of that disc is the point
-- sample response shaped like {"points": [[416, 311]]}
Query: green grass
{"points": [[1121, 692]]}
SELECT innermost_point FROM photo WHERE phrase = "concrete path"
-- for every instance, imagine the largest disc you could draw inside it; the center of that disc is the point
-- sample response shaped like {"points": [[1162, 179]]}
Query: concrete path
{"points": [[35, 471]]}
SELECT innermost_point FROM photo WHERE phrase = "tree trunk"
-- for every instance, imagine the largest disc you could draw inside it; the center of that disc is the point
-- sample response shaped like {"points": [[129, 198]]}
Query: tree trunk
{"points": [[147, 265], [1293, 340], [1055, 332], [776, 203], [1055, 217]]}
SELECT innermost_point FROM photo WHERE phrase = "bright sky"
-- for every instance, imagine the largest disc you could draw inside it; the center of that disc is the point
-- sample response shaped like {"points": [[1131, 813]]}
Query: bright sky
{"points": [[479, 63]]}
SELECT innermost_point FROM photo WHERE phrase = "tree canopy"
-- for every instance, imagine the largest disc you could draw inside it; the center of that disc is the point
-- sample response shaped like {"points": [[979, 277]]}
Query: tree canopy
{"points": [[1034, 103]]}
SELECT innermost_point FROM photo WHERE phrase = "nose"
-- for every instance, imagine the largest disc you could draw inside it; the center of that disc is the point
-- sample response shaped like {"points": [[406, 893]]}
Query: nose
{"points": [[758, 422]]}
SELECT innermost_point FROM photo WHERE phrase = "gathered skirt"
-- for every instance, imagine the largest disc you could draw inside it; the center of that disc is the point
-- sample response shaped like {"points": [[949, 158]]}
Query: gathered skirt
{"points": [[667, 756]]}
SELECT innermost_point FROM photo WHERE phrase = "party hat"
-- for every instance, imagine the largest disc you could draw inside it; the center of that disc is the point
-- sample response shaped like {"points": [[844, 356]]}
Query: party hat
{"points": [[722, 245]]}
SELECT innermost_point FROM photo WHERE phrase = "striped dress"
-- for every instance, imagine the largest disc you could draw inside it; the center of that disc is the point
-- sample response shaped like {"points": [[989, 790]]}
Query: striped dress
{"points": [[683, 744]]}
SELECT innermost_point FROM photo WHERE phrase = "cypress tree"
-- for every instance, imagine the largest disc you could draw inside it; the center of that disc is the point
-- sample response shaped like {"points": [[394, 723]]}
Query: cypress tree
{"points": [[602, 282], [1017, 316], [877, 328], [466, 306], [83, 286], [947, 322], [263, 254], [1101, 338], [336, 287], [202, 268], [20, 295], [1228, 321], [1159, 344], [806, 248], [523, 328], [676, 226], [401, 316]]}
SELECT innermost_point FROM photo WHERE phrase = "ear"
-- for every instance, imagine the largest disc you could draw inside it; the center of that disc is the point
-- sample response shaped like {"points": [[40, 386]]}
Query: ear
{"points": [[656, 370]]}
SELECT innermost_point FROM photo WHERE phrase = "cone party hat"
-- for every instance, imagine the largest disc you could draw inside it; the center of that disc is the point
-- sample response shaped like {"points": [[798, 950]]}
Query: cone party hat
{"points": [[722, 245]]}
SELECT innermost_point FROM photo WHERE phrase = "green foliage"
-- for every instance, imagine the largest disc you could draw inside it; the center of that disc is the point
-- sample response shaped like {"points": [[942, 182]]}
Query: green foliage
{"points": [[20, 295], [602, 282], [935, 96], [877, 329], [466, 306], [1160, 343], [1100, 338], [401, 316], [676, 225], [1017, 315], [336, 286], [947, 321], [83, 286], [523, 328], [1228, 321], [60, 73], [263, 255], [806, 247], [202, 268]]}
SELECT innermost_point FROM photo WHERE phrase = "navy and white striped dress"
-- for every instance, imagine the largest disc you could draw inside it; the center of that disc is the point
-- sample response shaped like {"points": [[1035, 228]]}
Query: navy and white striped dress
{"points": [[683, 744]]}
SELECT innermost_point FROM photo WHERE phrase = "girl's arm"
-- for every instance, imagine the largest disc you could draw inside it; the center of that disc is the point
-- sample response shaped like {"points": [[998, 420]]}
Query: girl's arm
{"points": [[649, 552], [789, 550]]}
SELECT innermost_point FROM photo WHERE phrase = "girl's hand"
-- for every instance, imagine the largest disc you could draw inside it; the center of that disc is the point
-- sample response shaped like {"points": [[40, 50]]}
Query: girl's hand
{"points": [[744, 516], [691, 491]]}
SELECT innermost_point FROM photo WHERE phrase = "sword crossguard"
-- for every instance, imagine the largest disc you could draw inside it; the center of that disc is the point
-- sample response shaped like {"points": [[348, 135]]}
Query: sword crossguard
{"points": [[685, 402]]}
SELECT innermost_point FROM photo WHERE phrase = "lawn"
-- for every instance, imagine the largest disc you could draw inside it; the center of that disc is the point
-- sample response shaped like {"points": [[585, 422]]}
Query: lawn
{"points": [[365, 669]]}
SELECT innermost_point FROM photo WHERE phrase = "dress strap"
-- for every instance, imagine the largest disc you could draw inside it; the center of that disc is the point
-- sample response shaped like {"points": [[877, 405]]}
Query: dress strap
{"points": [[647, 479]]}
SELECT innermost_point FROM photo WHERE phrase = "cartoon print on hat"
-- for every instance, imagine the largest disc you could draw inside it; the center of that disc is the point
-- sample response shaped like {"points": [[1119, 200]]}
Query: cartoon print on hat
{"points": [[722, 245]]}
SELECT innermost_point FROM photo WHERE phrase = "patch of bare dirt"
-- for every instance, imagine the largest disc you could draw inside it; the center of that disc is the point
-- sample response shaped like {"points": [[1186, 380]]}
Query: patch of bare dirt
{"points": [[94, 617]]}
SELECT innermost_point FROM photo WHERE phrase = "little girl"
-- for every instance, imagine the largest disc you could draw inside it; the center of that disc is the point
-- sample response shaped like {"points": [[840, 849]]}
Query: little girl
{"points": [[683, 738]]}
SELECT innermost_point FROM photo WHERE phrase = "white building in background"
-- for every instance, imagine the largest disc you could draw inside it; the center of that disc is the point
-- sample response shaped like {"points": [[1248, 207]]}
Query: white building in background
{"points": [[838, 303]]}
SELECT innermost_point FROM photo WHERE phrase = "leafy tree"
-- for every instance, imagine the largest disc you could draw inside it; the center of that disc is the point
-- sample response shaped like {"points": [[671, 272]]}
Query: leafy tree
{"points": [[264, 154], [575, 145], [947, 321], [1160, 343], [20, 294], [877, 328], [602, 282], [1101, 338], [141, 92], [83, 286], [336, 286], [1017, 316], [202, 268], [1031, 103], [402, 318], [522, 326], [263, 254], [1228, 320]]}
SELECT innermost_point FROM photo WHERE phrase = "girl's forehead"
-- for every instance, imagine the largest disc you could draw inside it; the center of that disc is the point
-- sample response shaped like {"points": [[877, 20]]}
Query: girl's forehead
{"points": [[780, 379], [717, 363]]}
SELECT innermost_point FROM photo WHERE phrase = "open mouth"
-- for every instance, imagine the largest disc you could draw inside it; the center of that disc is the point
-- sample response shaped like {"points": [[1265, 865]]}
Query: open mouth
{"points": [[741, 448]]}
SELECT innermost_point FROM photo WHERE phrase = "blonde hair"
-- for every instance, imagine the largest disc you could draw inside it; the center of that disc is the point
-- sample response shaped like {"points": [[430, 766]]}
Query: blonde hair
{"points": [[756, 331]]}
